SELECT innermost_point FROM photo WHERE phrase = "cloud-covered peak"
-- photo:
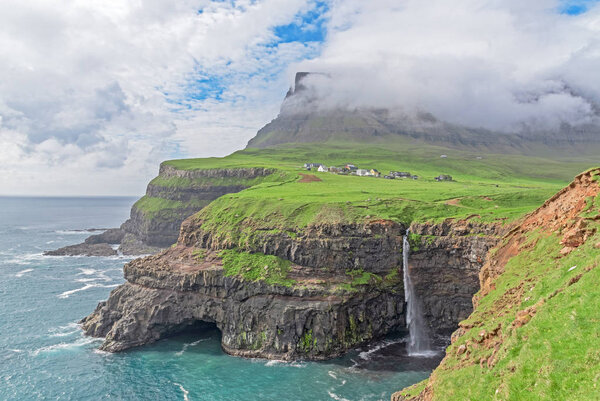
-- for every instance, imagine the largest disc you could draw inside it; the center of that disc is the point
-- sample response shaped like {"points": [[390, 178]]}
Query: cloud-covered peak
{"points": [[501, 65], [95, 93]]}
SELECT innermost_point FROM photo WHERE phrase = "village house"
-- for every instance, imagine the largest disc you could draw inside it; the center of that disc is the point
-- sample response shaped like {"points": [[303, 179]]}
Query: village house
{"points": [[389, 177], [362, 172], [375, 173], [336, 170], [350, 167], [443, 177], [322, 169], [400, 174], [310, 166]]}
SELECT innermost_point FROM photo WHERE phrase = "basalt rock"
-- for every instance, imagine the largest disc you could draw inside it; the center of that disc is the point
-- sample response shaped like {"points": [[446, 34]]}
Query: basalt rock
{"points": [[110, 236], [83, 250], [168, 292], [322, 315], [444, 266], [145, 232]]}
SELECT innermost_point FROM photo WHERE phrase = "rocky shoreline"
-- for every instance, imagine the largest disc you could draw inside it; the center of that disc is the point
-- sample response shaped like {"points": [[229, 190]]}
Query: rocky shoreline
{"points": [[321, 315], [147, 233]]}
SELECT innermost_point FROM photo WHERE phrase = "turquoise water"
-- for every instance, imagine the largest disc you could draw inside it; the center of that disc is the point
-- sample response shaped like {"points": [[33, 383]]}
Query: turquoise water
{"points": [[44, 356]]}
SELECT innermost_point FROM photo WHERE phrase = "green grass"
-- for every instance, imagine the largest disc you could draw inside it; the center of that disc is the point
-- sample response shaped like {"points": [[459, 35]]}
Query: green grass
{"points": [[359, 277], [423, 160], [555, 356], [205, 182], [495, 187], [256, 266], [199, 254], [153, 207]]}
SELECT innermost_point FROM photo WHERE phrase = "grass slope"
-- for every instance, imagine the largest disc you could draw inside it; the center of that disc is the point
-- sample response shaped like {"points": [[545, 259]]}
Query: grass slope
{"points": [[543, 313], [493, 187]]}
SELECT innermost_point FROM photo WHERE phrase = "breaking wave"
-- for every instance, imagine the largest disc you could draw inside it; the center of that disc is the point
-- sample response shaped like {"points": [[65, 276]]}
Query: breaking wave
{"points": [[66, 346], [66, 294], [187, 345], [22, 272], [185, 392]]}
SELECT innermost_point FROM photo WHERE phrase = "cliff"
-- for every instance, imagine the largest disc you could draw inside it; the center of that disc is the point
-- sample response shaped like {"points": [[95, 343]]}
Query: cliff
{"points": [[171, 197], [314, 293], [532, 334], [177, 194], [305, 117]]}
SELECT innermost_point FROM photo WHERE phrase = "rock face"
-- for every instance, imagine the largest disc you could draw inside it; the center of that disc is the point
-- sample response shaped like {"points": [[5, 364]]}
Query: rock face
{"points": [[163, 297], [444, 263], [322, 315], [84, 249], [110, 236]]}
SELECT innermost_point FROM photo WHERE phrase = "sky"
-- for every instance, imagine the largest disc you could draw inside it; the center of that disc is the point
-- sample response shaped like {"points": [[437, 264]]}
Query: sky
{"points": [[96, 93]]}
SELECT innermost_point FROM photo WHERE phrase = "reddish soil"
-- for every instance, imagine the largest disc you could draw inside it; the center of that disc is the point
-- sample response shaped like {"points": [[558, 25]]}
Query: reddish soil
{"points": [[309, 178]]}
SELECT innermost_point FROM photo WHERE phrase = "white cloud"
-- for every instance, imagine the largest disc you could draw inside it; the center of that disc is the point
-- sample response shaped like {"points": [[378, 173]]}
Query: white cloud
{"points": [[94, 93], [497, 64], [97, 92]]}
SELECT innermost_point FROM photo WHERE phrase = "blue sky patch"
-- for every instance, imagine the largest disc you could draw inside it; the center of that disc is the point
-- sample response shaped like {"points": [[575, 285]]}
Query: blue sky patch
{"points": [[575, 7], [308, 27]]}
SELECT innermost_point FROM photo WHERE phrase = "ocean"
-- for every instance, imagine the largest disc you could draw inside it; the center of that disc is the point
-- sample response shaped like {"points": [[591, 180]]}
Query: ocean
{"points": [[44, 355]]}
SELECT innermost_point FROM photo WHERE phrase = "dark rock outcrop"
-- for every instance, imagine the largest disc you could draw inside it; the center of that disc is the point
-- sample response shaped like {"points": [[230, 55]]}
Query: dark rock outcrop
{"points": [[444, 263], [148, 232], [170, 291], [322, 315], [110, 236], [83, 250], [374, 246]]}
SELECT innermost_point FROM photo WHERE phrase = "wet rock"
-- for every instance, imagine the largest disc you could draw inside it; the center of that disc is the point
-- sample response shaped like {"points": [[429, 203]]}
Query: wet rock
{"points": [[83, 250], [131, 245], [167, 292], [110, 236]]}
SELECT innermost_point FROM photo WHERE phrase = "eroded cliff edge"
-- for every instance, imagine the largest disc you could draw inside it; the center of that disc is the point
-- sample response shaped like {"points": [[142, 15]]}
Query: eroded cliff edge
{"points": [[533, 332], [175, 194], [340, 286]]}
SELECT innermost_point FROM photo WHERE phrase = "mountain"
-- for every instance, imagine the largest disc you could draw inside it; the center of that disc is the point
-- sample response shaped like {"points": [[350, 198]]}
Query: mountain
{"points": [[303, 119]]}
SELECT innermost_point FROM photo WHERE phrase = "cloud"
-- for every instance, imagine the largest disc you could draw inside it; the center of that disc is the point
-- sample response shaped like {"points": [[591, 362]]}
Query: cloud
{"points": [[107, 89], [498, 64], [95, 93]]}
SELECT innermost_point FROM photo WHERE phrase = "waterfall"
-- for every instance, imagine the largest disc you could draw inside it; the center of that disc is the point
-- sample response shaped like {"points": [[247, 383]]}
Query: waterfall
{"points": [[418, 336]]}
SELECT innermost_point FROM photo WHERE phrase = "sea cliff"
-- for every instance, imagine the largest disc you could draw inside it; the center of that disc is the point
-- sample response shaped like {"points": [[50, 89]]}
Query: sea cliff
{"points": [[328, 289], [532, 333]]}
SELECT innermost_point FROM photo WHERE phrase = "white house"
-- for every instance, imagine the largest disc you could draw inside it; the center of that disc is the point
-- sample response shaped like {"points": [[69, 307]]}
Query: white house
{"points": [[362, 172], [323, 169]]}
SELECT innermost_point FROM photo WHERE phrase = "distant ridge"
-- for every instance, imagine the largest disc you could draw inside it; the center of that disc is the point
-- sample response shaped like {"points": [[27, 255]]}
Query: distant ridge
{"points": [[301, 121]]}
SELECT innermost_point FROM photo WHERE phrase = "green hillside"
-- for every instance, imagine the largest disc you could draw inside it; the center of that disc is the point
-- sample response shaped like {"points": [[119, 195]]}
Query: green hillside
{"points": [[534, 332], [486, 185]]}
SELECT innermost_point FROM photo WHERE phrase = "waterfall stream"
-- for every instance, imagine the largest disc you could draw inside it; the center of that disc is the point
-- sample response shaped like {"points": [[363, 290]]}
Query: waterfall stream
{"points": [[419, 343]]}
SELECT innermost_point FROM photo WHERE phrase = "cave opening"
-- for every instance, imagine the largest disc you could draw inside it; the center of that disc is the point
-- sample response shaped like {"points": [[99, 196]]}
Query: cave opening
{"points": [[194, 331]]}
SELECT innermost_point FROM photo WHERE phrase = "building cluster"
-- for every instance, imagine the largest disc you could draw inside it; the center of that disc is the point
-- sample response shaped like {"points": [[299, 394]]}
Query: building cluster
{"points": [[351, 169]]}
